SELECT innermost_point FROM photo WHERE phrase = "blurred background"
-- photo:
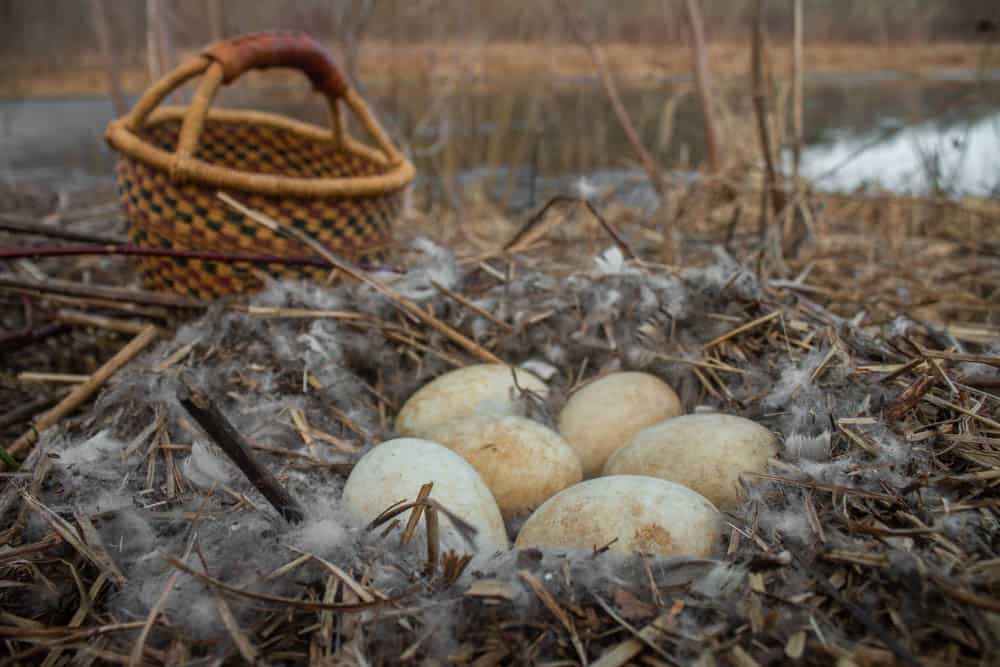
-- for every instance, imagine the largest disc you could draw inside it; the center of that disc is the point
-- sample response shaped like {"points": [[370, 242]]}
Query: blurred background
{"points": [[503, 101]]}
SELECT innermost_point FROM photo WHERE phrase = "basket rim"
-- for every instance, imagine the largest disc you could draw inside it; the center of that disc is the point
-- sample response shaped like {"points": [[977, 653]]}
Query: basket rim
{"points": [[130, 145]]}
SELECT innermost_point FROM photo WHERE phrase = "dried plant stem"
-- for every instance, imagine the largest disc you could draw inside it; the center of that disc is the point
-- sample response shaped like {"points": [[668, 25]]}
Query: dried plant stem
{"points": [[482, 312], [70, 288], [533, 229], [224, 434], [127, 250], [742, 328], [105, 36], [63, 378], [68, 316], [580, 31], [85, 390], [17, 226], [699, 65], [623, 653], [274, 599], [397, 299], [771, 191], [135, 657], [797, 90], [553, 606]]}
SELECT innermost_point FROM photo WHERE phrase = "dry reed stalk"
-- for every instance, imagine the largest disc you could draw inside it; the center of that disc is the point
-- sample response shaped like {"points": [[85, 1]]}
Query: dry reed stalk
{"points": [[703, 84], [404, 304], [55, 231], [75, 289], [580, 29], [61, 378], [773, 195], [797, 97], [126, 250], [84, 391], [531, 231], [305, 605], [466, 303], [101, 322], [553, 606], [109, 50]]}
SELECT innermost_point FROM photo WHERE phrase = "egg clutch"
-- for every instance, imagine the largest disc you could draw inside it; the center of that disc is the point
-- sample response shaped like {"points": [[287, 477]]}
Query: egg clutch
{"points": [[627, 470]]}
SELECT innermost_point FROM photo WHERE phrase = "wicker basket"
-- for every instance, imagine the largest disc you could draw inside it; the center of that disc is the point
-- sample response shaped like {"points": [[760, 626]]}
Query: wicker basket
{"points": [[174, 161]]}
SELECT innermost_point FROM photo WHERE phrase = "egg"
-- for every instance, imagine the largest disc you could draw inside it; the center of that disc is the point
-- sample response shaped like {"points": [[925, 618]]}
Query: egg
{"points": [[627, 514], [706, 452], [522, 462], [478, 389], [603, 415], [396, 469]]}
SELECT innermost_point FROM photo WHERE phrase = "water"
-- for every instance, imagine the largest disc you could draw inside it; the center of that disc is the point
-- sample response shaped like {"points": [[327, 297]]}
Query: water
{"points": [[951, 157], [526, 143]]}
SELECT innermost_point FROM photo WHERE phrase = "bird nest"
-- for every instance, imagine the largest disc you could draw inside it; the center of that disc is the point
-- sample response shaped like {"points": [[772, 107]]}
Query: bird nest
{"points": [[871, 540]]}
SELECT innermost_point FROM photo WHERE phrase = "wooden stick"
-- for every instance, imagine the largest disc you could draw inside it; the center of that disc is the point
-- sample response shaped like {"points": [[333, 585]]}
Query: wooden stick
{"points": [[109, 51], [989, 360], [25, 410], [740, 329], [100, 321], [699, 65], [84, 391], [622, 654], [224, 434], [11, 224], [581, 34], [128, 250], [771, 190], [71, 288], [65, 378], [529, 231], [482, 312], [796, 91], [151, 312], [397, 299]]}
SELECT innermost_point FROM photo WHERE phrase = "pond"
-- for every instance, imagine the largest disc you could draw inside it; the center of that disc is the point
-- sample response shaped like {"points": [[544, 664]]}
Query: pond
{"points": [[527, 142]]}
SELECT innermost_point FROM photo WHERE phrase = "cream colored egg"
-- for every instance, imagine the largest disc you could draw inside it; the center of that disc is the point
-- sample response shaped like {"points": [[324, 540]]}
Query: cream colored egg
{"points": [[396, 469], [605, 414], [479, 389], [706, 452], [522, 462], [626, 513]]}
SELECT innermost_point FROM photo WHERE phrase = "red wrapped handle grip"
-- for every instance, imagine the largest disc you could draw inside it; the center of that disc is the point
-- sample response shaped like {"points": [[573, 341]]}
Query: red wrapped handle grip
{"points": [[295, 50]]}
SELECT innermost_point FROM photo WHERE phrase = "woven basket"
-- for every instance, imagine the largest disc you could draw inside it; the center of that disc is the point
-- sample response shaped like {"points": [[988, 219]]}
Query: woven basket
{"points": [[175, 160]]}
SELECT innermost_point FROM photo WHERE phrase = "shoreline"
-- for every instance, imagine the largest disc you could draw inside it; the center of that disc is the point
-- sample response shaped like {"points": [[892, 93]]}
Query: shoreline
{"points": [[498, 63]]}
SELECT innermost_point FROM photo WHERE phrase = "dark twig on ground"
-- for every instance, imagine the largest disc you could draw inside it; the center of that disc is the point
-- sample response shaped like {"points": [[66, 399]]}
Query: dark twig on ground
{"points": [[215, 424], [14, 224]]}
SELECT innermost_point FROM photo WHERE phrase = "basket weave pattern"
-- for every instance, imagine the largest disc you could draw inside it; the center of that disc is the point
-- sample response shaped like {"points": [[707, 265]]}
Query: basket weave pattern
{"points": [[166, 215]]}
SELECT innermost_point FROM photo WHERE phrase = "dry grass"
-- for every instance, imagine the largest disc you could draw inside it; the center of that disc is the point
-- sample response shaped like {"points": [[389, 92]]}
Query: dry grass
{"points": [[491, 61], [879, 578]]}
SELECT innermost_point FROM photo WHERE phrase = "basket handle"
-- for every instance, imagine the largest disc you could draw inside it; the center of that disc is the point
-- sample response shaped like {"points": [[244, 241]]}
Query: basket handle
{"points": [[225, 61], [293, 50]]}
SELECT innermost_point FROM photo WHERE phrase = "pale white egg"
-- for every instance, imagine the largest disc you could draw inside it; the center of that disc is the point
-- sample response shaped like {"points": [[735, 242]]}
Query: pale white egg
{"points": [[480, 389], [396, 469]]}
